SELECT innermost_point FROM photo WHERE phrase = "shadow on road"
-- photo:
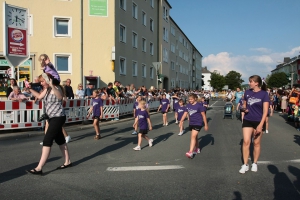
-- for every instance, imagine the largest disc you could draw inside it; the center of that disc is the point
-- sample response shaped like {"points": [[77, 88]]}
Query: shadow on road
{"points": [[21, 171], [238, 195], [206, 140], [296, 172], [162, 138], [297, 139], [283, 187], [80, 137]]}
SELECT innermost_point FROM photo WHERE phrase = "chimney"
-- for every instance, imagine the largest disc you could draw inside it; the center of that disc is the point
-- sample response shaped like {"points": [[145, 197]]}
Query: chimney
{"points": [[205, 67], [286, 59]]}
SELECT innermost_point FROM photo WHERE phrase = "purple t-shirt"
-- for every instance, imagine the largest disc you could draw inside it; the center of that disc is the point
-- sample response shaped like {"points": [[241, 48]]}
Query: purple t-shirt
{"points": [[255, 101], [164, 104], [97, 103], [241, 102], [142, 116], [51, 70], [175, 103], [136, 105], [180, 111], [194, 112]]}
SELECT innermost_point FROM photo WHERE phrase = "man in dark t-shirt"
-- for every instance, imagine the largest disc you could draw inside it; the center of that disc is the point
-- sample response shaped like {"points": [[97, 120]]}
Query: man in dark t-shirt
{"points": [[69, 89], [110, 90]]}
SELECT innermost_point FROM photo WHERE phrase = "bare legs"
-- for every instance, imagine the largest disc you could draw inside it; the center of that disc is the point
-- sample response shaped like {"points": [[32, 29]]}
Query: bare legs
{"points": [[194, 140], [165, 119], [247, 134], [140, 137]]}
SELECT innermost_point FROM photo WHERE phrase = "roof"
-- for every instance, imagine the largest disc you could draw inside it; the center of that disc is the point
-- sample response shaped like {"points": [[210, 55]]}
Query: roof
{"points": [[205, 70]]}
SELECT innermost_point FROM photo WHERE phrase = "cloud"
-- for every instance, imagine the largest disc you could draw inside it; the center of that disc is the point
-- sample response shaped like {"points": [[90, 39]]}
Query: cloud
{"points": [[261, 65], [261, 50]]}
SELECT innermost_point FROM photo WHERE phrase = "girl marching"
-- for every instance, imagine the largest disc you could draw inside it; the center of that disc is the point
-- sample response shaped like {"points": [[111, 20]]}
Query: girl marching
{"points": [[97, 109], [164, 106]]}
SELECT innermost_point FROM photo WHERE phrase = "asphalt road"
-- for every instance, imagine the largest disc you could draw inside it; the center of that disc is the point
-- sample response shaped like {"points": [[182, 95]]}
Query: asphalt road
{"points": [[213, 174]]}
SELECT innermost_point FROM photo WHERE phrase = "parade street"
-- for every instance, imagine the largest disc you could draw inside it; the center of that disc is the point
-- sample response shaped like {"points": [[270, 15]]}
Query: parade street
{"points": [[110, 169]]}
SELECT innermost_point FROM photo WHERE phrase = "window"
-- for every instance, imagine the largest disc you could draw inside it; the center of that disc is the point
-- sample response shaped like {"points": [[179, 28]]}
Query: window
{"points": [[122, 33], [63, 63], [165, 55], [144, 45], [134, 11], [172, 65], [62, 27], [144, 71], [180, 39], [144, 18], [122, 66], [172, 83], [151, 72], [152, 3], [123, 4], [165, 13], [134, 68], [173, 48], [172, 30], [134, 40], [180, 53], [151, 25], [165, 34], [151, 49]]}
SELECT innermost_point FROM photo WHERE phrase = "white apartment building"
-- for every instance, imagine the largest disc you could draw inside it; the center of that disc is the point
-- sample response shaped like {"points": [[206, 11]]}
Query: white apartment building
{"points": [[206, 79]]}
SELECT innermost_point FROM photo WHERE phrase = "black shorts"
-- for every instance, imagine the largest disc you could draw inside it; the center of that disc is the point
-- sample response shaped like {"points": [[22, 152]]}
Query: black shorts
{"points": [[195, 127], [252, 124], [96, 117], [143, 131], [162, 112], [54, 132], [174, 109]]}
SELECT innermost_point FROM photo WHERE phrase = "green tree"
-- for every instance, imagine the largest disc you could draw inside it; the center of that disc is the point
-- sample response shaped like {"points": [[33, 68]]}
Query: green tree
{"points": [[233, 80], [278, 80], [217, 81]]}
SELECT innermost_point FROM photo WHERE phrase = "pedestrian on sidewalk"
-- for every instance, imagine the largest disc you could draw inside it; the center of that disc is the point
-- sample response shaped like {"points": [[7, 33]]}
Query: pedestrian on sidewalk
{"points": [[164, 106], [97, 109], [256, 106], [197, 117], [144, 123], [52, 96]]}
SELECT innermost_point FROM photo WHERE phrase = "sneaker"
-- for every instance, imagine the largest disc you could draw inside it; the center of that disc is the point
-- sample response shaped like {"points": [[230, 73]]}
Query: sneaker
{"points": [[68, 139], [244, 169], [267, 131], [150, 142], [163, 124], [41, 143], [189, 155], [180, 133], [196, 151], [254, 167], [116, 119], [137, 148], [167, 124], [134, 133], [176, 122], [97, 137], [45, 76]]}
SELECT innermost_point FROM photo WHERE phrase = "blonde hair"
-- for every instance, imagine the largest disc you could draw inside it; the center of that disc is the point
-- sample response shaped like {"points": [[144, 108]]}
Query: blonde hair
{"points": [[142, 102], [79, 85], [42, 59], [96, 91]]}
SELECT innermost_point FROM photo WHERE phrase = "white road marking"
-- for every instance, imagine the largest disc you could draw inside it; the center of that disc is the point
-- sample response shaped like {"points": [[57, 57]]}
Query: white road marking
{"points": [[213, 104], [144, 168], [276, 162]]}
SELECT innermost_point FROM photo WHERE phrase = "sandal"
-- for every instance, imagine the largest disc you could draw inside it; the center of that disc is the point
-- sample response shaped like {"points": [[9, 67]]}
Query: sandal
{"points": [[97, 137], [34, 172], [64, 166]]}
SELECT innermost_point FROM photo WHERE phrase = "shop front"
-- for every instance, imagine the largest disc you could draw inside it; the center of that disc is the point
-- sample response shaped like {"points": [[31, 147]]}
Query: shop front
{"points": [[21, 72]]}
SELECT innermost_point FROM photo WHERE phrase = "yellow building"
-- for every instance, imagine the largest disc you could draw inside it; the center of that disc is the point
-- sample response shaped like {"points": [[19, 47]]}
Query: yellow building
{"points": [[99, 40]]}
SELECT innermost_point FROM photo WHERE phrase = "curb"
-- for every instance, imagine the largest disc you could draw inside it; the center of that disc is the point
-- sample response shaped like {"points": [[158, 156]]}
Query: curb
{"points": [[77, 127]]}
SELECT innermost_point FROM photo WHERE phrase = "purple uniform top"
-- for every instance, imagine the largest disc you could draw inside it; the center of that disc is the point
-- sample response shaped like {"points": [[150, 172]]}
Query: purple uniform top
{"points": [[175, 103], [142, 116], [241, 102], [255, 101], [51, 70], [97, 103], [136, 105], [180, 111], [194, 111], [164, 104]]}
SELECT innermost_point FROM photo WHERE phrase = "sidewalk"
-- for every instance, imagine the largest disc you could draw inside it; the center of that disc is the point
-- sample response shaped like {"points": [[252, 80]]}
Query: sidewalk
{"points": [[69, 128]]}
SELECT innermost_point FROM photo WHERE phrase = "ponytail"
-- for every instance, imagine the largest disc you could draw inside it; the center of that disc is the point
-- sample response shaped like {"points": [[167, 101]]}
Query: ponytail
{"points": [[264, 85]]}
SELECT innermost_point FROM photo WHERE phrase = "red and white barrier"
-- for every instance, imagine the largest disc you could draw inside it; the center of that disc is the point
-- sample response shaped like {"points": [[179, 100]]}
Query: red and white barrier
{"points": [[16, 115]]}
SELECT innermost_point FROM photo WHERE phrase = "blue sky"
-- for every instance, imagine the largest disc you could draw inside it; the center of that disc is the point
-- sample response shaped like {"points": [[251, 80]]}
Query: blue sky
{"points": [[248, 36]]}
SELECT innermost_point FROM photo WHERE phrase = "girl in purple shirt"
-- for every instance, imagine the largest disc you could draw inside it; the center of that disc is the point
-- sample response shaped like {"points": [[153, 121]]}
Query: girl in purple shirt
{"points": [[256, 106], [197, 117], [49, 68], [175, 105], [144, 123], [97, 109], [180, 111], [135, 108], [164, 105]]}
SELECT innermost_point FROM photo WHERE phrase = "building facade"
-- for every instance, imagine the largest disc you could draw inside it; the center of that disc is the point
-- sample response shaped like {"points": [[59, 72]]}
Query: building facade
{"points": [[206, 79], [99, 43]]}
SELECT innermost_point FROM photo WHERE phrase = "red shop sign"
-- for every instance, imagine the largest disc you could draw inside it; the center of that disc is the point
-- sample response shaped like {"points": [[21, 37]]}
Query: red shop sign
{"points": [[17, 42]]}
